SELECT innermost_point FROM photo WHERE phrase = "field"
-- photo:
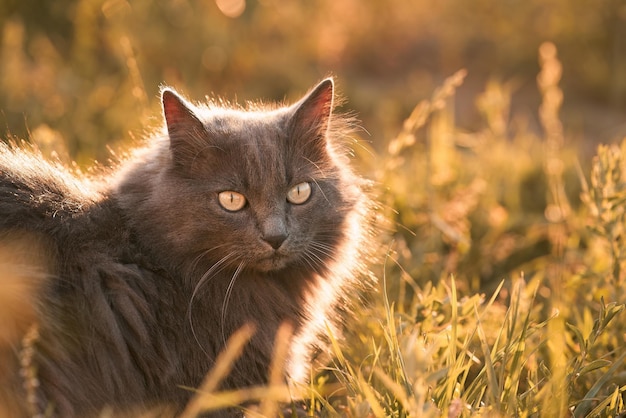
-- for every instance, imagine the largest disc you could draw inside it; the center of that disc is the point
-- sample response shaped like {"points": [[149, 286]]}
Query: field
{"points": [[500, 278]]}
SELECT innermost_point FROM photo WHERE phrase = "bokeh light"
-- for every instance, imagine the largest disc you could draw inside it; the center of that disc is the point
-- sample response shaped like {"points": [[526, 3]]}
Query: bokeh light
{"points": [[231, 8]]}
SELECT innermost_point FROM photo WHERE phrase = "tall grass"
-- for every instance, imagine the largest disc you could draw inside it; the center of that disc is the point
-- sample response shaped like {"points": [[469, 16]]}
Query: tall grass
{"points": [[542, 336]]}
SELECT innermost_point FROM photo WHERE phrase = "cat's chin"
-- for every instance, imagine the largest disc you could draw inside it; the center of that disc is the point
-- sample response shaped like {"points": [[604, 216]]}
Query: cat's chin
{"points": [[271, 264]]}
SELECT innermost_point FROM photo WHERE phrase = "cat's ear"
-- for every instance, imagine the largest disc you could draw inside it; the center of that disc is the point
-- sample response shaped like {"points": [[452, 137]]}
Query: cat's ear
{"points": [[313, 112], [183, 126]]}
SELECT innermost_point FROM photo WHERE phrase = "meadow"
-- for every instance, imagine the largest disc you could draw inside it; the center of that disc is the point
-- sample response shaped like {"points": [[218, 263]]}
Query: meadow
{"points": [[499, 279]]}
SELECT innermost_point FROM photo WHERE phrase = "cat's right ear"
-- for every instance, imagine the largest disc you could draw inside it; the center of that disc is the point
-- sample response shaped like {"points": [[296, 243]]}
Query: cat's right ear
{"points": [[180, 119], [183, 126]]}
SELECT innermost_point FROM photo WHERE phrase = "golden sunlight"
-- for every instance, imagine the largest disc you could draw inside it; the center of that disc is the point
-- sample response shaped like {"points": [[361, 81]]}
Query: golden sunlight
{"points": [[231, 8]]}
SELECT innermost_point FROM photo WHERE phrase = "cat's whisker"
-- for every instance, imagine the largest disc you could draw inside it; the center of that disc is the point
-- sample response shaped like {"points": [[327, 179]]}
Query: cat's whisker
{"points": [[321, 190], [312, 262], [316, 257], [322, 245], [315, 261], [323, 250], [326, 252], [196, 260], [227, 296], [215, 268], [316, 165], [210, 273]]}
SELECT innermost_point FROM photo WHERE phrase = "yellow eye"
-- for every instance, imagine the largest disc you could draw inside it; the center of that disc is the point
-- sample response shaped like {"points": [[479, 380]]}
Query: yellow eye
{"points": [[299, 194], [232, 201]]}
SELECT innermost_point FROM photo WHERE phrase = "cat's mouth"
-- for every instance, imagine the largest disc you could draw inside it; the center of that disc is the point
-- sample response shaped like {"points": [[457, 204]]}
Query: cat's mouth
{"points": [[273, 262]]}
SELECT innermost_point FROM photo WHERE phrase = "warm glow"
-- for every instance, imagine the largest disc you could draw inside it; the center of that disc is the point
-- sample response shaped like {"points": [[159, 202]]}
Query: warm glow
{"points": [[231, 8]]}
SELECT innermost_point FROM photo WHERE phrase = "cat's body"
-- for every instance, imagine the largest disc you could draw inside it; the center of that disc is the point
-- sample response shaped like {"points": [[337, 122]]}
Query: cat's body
{"points": [[230, 217]]}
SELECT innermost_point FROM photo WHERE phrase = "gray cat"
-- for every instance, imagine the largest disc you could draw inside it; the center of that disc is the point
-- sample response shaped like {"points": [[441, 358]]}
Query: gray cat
{"points": [[229, 217]]}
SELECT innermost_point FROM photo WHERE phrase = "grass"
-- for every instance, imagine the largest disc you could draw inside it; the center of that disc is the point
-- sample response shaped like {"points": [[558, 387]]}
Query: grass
{"points": [[494, 306], [546, 339]]}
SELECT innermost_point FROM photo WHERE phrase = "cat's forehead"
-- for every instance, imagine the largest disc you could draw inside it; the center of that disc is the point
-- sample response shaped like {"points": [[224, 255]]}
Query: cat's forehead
{"points": [[235, 120], [252, 149], [244, 133]]}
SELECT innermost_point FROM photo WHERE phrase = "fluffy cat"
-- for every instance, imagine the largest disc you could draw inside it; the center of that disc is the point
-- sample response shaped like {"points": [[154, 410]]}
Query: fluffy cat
{"points": [[140, 274]]}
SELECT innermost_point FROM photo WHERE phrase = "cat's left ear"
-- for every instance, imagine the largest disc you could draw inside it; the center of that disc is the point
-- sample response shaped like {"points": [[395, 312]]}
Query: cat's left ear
{"points": [[315, 109]]}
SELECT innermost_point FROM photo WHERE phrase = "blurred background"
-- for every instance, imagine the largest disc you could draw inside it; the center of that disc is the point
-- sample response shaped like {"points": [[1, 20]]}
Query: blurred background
{"points": [[487, 177], [88, 71]]}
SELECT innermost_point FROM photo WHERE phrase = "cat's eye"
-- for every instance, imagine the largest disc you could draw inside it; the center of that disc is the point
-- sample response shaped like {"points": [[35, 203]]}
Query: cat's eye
{"points": [[299, 193], [231, 201]]}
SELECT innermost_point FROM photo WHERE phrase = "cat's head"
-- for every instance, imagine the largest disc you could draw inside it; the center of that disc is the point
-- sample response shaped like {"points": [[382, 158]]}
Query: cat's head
{"points": [[259, 189]]}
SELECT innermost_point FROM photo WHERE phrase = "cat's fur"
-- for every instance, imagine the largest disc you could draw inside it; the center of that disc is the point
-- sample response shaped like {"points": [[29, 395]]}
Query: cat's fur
{"points": [[144, 275]]}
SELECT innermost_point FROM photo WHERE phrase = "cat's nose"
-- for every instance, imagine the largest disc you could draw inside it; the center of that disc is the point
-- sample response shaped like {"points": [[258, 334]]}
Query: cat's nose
{"points": [[274, 231], [275, 240]]}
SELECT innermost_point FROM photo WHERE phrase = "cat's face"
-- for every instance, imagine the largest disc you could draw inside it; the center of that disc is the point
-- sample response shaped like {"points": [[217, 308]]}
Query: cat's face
{"points": [[256, 190]]}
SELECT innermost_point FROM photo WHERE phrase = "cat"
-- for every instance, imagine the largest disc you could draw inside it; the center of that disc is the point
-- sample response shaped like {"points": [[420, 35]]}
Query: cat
{"points": [[228, 216]]}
